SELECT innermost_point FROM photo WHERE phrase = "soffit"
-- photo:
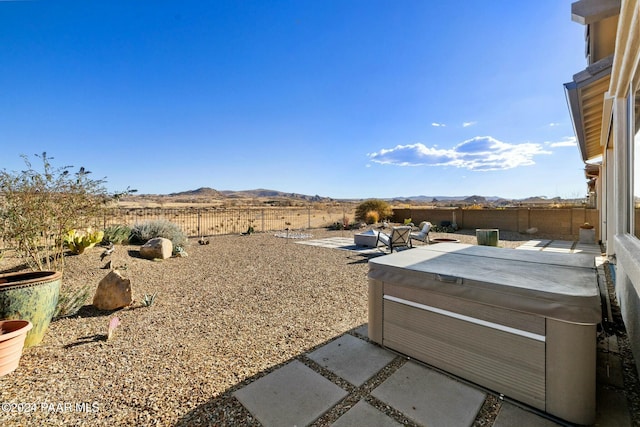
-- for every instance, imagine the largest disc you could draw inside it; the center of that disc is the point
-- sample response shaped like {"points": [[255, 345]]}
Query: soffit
{"points": [[586, 99], [591, 170], [589, 11]]}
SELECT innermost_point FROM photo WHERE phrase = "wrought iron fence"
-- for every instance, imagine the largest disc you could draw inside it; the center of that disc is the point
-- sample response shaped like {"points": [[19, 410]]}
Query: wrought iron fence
{"points": [[203, 221]]}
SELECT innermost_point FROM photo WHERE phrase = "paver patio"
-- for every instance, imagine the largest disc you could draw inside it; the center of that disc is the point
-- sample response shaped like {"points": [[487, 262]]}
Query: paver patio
{"points": [[296, 394]]}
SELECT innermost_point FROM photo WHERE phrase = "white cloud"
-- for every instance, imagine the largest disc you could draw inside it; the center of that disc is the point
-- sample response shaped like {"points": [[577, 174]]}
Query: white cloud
{"points": [[554, 124], [482, 153], [467, 124], [438, 125], [567, 141]]}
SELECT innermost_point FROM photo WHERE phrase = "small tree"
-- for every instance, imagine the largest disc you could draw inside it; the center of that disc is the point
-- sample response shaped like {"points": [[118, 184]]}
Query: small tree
{"points": [[38, 208], [373, 205]]}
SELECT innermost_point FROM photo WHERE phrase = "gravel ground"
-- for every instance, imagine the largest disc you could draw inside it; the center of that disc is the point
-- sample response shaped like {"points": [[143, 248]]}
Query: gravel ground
{"points": [[229, 313]]}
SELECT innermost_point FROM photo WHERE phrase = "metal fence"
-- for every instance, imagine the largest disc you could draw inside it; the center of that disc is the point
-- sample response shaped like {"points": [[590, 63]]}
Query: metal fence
{"points": [[203, 221]]}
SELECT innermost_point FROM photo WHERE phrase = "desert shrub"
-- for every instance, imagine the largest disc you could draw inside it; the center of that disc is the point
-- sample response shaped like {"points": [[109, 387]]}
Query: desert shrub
{"points": [[371, 217], [40, 205], [142, 232], [117, 234], [79, 240], [380, 206], [338, 225], [444, 227], [345, 224]]}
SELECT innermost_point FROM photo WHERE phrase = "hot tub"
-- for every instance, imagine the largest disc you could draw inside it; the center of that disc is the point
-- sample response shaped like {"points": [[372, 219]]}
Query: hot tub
{"points": [[519, 323]]}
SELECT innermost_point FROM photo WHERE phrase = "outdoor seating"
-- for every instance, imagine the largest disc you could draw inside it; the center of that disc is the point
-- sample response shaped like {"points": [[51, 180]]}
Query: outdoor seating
{"points": [[399, 237], [423, 234], [368, 238]]}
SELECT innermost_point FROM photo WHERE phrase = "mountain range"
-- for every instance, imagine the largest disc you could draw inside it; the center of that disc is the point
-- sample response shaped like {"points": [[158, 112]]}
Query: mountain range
{"points": [[265, 193]]}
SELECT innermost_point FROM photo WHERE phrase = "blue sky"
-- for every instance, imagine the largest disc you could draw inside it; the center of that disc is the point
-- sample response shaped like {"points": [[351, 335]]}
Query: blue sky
{"points": [[345, 99]]}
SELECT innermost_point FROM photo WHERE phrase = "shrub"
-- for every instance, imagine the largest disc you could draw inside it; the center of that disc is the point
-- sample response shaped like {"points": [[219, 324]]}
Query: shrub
{"points": [[38, 208], [371, 217], [380, 206], [78, 241], [117, 234], [142, 232]]}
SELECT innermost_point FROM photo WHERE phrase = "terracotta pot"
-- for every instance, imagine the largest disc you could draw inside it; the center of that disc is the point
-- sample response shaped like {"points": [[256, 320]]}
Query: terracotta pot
{"points": [[31, 296], [12, 339]]}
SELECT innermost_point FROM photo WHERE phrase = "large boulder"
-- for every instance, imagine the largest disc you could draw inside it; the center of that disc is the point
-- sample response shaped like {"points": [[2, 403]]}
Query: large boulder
{"points": [[158, 247], [114, 292]]}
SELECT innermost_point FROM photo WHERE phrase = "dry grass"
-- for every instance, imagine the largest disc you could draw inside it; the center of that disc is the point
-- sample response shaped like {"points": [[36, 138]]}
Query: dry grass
{"points": [[230, 312]]}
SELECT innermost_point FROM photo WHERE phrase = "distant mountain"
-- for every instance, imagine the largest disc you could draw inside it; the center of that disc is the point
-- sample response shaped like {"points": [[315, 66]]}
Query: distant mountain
{"points": [[263, 193], [540, 199], [453, 198], [280, 196], [202, 191]]}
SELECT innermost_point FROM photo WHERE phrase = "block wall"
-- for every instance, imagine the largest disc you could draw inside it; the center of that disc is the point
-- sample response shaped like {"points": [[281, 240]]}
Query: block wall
{"points": [[559, 222]]}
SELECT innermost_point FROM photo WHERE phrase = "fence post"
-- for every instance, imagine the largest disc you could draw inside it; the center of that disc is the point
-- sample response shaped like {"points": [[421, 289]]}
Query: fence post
{"points": [[309, 216], [199, 216], [262, 219]]}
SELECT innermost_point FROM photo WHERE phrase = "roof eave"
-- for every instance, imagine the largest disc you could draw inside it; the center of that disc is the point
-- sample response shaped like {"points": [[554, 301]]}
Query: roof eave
{"points": [[582, 81]]}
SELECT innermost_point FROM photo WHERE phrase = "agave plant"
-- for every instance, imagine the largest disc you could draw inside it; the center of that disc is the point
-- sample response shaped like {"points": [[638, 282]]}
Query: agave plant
{"points": [[69, 303], [148, 299]]}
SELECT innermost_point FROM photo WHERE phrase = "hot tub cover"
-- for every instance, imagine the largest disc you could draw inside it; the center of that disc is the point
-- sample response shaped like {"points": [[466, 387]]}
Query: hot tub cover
{"points": [[558, 286]]}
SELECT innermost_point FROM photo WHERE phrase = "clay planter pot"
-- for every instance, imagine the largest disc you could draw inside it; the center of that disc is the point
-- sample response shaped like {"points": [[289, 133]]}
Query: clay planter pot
{"points": [[31, 296], [12, 339]]}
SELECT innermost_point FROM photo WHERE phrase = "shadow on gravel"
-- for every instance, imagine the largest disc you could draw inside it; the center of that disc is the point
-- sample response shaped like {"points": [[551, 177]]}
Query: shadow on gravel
{"points": [[87, 340]]}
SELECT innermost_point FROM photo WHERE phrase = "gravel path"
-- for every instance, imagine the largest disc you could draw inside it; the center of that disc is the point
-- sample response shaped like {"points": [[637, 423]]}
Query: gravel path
{"points": [[230, 312]]}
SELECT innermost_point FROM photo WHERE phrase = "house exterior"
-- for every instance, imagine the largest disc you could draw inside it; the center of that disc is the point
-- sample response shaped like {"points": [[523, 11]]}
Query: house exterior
{"points": [[604, 103]]}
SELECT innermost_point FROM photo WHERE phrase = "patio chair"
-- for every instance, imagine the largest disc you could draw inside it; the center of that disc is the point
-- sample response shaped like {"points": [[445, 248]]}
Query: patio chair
{"points": [[400, 237], [423, 234]]}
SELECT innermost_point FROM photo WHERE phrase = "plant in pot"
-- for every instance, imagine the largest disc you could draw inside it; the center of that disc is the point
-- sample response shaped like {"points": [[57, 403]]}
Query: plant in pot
{"points": [[37, 210], [12, 337]]}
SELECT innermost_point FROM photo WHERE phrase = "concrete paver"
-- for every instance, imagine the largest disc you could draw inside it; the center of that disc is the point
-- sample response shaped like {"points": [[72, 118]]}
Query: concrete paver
{"points": [[363, 414], [510, 415], [291, 395], [351, 358], [609, 369], [534, 245], [362, 330], [587, 248], [612, 409], [429, 397]]}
